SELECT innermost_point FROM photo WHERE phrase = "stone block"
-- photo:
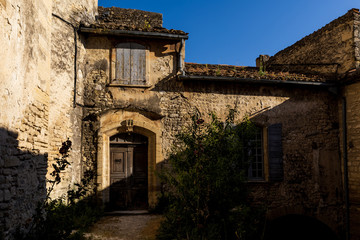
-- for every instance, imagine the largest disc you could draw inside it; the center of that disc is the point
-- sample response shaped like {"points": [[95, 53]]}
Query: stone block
{"points": [[12, 161], [9, 179], [7, 195], [2, 179], [6, 172], [4, 206]]}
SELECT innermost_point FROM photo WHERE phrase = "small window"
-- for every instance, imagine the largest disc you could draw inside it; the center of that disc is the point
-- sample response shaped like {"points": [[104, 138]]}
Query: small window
{"points": [[130, 67], [263, 153], [255, 156]]}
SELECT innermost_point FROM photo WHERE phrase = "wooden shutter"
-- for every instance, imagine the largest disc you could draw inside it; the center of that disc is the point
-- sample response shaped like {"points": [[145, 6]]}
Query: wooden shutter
{"points": [[137, 64], [123, 65], [276, 172]]}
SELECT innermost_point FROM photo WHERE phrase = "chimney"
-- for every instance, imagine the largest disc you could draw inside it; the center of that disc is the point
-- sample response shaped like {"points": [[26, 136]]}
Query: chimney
{"points": [[261, 62]]}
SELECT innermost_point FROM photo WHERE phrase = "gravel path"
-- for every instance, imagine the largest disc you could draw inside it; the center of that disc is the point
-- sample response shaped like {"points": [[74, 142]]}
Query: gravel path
{"points": [[132, 225]]}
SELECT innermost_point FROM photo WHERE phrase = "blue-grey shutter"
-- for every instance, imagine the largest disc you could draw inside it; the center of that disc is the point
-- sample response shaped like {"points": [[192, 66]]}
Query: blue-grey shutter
{"points": [[276, 172], [123, 58], [138, 64], [130, 65]]}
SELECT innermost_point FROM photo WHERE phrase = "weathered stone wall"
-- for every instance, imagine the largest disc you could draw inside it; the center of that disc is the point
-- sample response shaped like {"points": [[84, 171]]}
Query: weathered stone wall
{"points": [[41, 73], [76, 11], [312, 169], [67, 59], [330, 50], [101, 98], [25, 38], [36, 100], [351, 94], [312, 182], [357, 39]]}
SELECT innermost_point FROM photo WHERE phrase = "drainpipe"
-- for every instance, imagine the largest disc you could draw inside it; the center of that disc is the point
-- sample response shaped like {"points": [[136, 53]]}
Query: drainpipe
{"points": [[180, 63], [346, 174], [75, 55]]}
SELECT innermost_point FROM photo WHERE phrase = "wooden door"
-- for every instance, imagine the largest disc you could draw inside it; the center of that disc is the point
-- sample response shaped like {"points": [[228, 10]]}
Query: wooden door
{"points": [[140, 178], [128, 176]]}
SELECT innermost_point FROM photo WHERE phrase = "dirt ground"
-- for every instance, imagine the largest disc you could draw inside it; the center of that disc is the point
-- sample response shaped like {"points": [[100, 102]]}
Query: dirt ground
{"points": [[132, 225]]}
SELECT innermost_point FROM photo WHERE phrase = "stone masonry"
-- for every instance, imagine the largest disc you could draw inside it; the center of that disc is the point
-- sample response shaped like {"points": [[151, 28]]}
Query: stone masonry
{"points": [[308, 116], [58, 84], [330, 50], [37, 101]]}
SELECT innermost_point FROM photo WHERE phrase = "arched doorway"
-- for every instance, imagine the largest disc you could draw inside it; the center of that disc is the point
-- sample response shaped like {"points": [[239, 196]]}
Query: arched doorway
{"points": [[128, 171]]}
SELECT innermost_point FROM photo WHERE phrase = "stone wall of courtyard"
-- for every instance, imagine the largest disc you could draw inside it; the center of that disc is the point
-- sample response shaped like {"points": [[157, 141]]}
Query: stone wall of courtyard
{"points": [[36, 98]]}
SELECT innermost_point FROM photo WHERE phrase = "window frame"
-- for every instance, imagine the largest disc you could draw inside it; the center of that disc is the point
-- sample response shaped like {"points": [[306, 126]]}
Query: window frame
{"points": [[273, 169], [264, 157], [114, 80]]}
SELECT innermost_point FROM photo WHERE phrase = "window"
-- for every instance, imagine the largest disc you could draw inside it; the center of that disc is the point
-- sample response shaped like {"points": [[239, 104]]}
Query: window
{"points": [[130, 64], [264, 153], [255, 156]]}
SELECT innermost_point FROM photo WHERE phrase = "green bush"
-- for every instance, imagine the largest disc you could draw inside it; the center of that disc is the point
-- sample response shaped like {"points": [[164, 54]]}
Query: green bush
{"points": [[66, 221], [205, 188]]}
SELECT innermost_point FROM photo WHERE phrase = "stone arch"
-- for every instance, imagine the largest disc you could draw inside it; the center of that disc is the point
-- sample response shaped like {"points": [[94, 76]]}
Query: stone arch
{"points": [[113, 122]]}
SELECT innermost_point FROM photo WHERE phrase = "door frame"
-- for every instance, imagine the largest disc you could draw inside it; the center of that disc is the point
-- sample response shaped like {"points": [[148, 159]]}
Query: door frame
{"points": [[113, 122], [130, 149]]}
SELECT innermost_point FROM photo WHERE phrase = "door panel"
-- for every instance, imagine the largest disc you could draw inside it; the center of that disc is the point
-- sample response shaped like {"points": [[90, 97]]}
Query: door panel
{"points": [[129, 178], [118, 162], [140, 177]]}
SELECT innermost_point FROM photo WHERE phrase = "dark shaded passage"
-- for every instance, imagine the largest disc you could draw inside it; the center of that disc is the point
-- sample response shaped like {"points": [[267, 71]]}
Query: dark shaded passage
{"points": [[298, 227]]}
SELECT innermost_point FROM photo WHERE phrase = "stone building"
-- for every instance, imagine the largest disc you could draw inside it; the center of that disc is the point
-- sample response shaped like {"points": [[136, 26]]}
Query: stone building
{"points": [[115, 83]]}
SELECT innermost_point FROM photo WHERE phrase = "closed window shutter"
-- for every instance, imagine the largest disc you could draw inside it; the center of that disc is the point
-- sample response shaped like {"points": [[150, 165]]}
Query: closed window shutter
{"points": [[137, 64], [276, 172], [123, 58], [130, 65]]}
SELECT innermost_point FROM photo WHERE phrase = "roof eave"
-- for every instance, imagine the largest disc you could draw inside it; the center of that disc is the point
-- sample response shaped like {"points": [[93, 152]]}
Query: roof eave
{"points": [[127, 33]]}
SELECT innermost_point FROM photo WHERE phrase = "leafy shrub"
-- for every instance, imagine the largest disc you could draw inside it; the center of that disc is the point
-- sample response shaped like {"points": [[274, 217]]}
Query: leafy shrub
{"points": [[205, 188], [65, 221]]}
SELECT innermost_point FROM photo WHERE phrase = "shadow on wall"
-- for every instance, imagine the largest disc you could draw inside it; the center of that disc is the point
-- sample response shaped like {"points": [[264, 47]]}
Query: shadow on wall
{"points": [[311, 168], [22, 183]]}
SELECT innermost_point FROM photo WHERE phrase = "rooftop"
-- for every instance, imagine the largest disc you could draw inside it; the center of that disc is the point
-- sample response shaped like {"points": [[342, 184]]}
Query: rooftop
{"points": [[131, 20], [215, 70]]}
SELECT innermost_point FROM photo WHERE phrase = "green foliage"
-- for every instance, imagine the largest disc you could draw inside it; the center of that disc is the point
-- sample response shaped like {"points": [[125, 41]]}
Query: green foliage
{"points": [[205, 183], [66, 217], [262, 69], [248, 222], [217, 72], [262, 73], [66, 221]]}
